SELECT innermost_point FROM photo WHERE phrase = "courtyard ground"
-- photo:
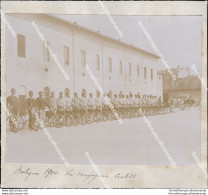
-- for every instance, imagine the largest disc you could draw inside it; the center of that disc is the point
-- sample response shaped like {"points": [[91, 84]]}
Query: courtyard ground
{"points": [[131, 143]]}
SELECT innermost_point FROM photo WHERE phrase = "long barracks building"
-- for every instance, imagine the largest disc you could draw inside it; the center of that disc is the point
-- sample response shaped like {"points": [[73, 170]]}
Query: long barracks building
{"points": [[116, 65]]}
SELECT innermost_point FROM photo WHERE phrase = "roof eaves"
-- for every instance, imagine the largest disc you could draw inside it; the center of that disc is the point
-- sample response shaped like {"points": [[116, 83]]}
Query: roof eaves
{"points": [[102, 35]]}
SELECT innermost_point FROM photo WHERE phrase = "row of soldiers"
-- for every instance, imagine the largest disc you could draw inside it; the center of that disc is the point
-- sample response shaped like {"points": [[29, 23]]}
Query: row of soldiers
{"points": [[49, 105]]}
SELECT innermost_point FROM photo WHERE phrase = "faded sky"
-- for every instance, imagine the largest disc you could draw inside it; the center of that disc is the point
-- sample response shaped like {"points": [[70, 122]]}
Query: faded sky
{"points": [[178, 38]]}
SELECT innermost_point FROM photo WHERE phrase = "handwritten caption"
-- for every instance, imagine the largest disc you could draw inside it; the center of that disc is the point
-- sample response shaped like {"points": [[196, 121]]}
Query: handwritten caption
{"points": [[27, 173]]}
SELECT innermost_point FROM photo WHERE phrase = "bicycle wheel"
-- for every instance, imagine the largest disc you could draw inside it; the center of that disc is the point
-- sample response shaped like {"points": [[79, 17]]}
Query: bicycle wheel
{"points": [[13, 123], [83, 119], [88, 118], [59, 121], [21, 123], [36, 125], [96, 117], [75, 119], [104, 116], [68, 120], [132, 114]]}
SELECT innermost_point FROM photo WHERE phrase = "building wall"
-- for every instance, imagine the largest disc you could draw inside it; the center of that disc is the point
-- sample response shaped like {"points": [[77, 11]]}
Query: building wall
{"points": [[30, 71], [195, 94]]}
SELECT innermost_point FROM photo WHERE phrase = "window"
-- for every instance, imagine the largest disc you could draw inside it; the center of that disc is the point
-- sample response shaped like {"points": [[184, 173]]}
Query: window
{"points": [[21, 46], [97, 62], [110, 64], [83, 59], [121, 69], [66, 55], [137, 70], [129, 69], [151, 74], [46, 54], [145, 72]]}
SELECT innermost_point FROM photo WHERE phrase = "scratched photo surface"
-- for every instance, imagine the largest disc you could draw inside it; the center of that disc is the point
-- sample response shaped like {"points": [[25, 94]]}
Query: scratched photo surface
{"points": [[82, 87]]}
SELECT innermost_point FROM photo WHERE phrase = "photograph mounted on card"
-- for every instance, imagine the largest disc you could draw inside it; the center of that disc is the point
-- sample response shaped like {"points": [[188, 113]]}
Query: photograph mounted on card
{"points": [[104, 95]]}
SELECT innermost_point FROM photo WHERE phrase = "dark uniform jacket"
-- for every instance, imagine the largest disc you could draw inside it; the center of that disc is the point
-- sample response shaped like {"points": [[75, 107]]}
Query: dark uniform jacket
{"points": [[13, 102], [30, 102], [40, 102]]}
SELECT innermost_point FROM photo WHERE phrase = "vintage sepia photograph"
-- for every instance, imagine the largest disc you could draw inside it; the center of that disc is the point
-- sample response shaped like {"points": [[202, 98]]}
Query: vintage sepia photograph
{"points": [[102, 90], [91, 91]]}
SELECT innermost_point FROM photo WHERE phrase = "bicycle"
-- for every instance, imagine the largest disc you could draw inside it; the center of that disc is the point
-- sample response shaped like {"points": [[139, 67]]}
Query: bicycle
{"points": [[97, 117], [15, 121], [23, 122], [59, 119]]}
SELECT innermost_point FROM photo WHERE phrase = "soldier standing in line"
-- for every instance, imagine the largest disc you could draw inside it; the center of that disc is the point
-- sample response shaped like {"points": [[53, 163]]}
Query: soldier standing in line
{"points": [[123, 102], [120, 101], [60, 104], [115, 101], [139, 101], [126, 101], [83, 104], [48, 103], [135, 101], [68, 107], [90, 102], [53, 103], [40, 103], [131, 103], [75, 102], [31, 104], [13, 106], [143, 102], [98, 101]]}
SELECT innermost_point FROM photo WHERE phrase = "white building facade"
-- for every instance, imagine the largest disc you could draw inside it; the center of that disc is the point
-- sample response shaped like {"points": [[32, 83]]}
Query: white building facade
{"points": [[116, 65]]}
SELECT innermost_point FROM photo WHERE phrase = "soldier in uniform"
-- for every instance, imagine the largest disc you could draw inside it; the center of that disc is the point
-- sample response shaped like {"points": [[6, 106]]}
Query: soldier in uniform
{"points": [[148, 101], [139, 101], [53, 102], [135, 100], [13, 106], [98, 101], [131, 103], [104, 102], [13, 102], [90, 102], [75, 102], [144, 103], [31, 104], [48, 104], [115, 101], [170, 104], [126, 101], [123, 101], [120, 101], [135, 103], [83, 101], [40, 103], [67, 101], [60, 104]]}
